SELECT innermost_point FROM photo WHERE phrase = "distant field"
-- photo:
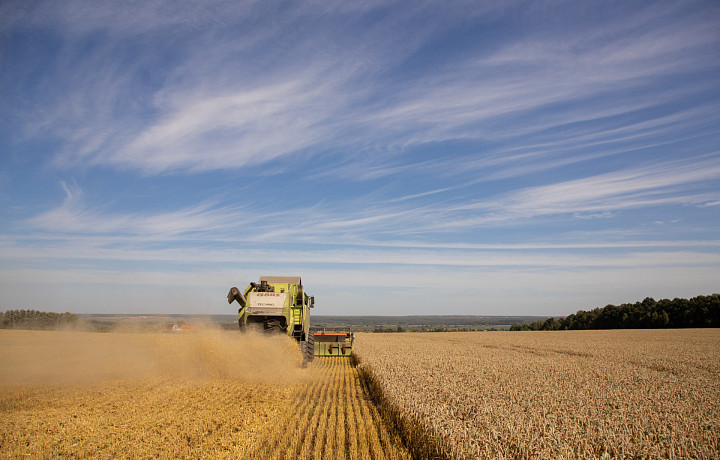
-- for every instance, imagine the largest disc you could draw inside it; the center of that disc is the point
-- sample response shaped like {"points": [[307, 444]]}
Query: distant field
{"points": [[421, 323], [569, 394]]}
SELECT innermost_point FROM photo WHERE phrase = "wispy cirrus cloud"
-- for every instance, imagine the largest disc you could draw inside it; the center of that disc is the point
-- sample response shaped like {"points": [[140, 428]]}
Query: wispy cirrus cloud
{"points": [[210, 110], [73, 216], [508, 146], [648, 186], [232, 130], [531, 256], [367, 219], [665, 183]]}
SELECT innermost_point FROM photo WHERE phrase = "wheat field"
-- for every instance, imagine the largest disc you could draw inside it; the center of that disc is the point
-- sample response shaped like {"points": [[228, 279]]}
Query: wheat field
{"points": [[570, 394], [206, 395], [560, 394]]}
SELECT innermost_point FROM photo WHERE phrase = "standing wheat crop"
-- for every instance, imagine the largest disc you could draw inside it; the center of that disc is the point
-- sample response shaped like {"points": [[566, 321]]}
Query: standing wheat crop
{"points": [[572, 394]]}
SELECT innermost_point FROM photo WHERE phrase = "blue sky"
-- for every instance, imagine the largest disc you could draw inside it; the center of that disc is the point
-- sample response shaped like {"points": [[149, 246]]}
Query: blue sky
{"points": [[489, 158]]}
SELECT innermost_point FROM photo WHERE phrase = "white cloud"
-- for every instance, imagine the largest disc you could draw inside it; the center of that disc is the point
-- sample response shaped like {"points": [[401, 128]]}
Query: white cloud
{"points": [[72, 216], [229, 103], [599, 196], [454, 144], [234, 129], [626, 189]]}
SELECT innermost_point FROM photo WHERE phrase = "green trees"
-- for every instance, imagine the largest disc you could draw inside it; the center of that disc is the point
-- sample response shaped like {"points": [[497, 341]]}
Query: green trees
{"points": [[700, 311], [33, 319]]}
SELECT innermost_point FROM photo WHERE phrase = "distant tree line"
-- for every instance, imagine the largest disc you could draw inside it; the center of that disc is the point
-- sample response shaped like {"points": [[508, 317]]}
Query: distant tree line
{"points": [[33, 319], [700, 311]]}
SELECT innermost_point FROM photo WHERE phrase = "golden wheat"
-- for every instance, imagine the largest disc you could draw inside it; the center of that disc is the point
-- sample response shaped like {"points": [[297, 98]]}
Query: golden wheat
{"points": [[571, 394], [205, 395], [333, 418], [462, 395]]}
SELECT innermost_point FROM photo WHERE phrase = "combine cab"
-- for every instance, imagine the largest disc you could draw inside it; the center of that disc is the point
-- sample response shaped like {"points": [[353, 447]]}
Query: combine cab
{"points": [[277, 304], [334, 343]]}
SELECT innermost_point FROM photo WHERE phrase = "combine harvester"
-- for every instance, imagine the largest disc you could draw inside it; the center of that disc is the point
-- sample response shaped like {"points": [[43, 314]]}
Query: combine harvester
{"points": [[280, 304], [277, 304]]}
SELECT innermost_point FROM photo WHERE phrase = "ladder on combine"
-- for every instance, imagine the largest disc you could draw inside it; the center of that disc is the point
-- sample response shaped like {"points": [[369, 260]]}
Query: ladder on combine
{"points": [[297, 321]]}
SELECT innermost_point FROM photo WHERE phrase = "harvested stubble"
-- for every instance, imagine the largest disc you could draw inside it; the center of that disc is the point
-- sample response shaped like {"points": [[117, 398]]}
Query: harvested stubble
{"points": [[331, 417], [569, 394], [72, 394], [137, 419]]}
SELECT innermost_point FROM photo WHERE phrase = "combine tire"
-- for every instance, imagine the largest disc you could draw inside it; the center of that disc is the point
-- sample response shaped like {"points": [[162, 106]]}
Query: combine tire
{"points": [[309, 348]]}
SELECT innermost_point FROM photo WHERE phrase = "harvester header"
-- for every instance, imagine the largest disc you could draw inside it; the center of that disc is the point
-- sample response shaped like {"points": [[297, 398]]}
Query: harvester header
{"points": [[334, 343]]}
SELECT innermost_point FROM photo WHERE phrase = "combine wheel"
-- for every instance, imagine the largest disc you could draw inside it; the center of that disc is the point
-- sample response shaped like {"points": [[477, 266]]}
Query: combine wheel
{"points": [[309, 348]]}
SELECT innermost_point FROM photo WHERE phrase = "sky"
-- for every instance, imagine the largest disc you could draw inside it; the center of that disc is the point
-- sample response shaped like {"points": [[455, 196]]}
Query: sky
{"points": [[403, 158]]}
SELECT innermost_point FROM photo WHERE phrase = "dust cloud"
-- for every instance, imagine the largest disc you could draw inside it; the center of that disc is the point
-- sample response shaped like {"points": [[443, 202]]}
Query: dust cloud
{"points": [[71, 357]]}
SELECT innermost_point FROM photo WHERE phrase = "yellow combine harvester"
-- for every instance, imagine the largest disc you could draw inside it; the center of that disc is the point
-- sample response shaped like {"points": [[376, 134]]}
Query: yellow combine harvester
{"points": [[277, 304]]}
